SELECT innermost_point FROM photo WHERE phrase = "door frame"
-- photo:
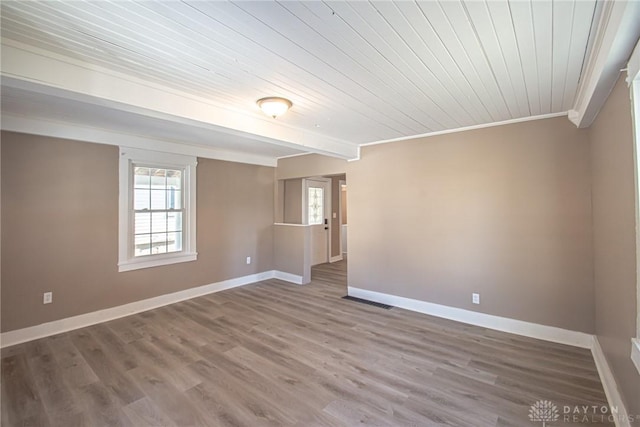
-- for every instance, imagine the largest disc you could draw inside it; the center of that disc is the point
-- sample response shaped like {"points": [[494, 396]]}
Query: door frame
{"points": [[341, 183], [327, 206]]}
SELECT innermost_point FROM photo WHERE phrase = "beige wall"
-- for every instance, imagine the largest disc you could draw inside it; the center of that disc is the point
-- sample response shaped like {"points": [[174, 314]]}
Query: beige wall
{"points": [[292, 250], [503, 211], [343, 197], [60, 230], [614, 239], [293, 201], [335, 209], [310, 165]]}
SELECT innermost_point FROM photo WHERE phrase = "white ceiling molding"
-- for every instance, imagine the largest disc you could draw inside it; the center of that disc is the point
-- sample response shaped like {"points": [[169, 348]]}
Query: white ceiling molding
{"points": [[617, 33], [101, 136], [47, 70], [467, 128]]}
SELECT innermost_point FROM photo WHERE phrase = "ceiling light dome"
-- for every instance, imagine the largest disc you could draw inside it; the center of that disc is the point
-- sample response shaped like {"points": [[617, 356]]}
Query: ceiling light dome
{"points": [[274, 106]]}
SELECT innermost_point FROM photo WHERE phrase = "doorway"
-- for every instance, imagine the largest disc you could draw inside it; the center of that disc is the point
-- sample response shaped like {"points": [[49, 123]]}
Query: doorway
{"points": [[342, 213], [309, 229], [317, 211]]}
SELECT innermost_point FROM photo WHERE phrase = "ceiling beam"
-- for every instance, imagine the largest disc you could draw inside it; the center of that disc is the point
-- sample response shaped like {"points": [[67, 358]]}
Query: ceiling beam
{"points": [[617, 32], [73, 131], [31, 68]]}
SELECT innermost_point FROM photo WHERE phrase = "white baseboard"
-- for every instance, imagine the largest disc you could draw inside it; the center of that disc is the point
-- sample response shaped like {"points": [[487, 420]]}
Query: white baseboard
{"points": [[70, 323], [293, 278], [610, 386], [533, 330], [528, 329], [336, 258]]}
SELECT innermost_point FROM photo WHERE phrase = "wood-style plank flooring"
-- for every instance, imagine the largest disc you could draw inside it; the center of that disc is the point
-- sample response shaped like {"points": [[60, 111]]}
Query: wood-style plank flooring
{"points": [[277, 354]]}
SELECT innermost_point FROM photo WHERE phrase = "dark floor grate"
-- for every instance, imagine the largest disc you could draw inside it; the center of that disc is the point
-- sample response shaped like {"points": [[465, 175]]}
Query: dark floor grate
{"points": [[365, 301]]}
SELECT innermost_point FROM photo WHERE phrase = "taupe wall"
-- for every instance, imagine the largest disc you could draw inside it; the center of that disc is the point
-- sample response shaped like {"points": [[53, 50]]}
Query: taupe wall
{"points": [[503, 211], [310, 165], [293, 201], [343, 197], [60, 230], [614, 239], [335, 208], [292, 250]]}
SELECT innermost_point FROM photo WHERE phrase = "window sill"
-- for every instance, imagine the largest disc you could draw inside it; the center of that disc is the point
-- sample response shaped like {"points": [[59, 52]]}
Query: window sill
{"points": [[635, 352], [156, 261]]}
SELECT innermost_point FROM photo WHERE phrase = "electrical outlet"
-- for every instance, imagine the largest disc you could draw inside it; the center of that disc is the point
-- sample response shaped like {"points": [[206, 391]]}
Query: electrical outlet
{"points": [[47, 298], [475, 298], [248, 260]]}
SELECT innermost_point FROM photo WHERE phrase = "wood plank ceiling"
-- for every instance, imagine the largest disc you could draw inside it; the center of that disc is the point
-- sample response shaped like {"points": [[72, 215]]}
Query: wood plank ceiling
{"points": [[356, 71]]}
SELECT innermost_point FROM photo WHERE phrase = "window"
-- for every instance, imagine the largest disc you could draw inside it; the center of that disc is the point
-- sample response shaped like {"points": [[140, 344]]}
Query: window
{"points": [[316, 205], [157, 209]]}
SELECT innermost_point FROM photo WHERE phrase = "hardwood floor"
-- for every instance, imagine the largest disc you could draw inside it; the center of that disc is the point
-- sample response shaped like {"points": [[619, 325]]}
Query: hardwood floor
{"points": [[277, 354]]}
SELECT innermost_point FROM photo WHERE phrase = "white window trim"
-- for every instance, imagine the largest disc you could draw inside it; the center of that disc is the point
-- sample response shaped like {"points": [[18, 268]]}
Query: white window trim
{"points": [[129, 156], [633, 80]]}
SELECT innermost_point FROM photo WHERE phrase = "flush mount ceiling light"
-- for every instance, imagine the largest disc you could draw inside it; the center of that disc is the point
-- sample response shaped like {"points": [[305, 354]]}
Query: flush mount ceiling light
{"points": [[274, 106]]}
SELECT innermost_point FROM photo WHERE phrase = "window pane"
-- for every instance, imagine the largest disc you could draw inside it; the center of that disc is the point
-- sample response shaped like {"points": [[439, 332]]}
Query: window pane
{"points": [[141, 199], [157, 218], [159, 222], [158, 200], [141, 177], [174, 242], [174, 199], [174, 179], [159, 243], [316, 207], [142, 245], [142, 223], [159, 178], [174, 221]]}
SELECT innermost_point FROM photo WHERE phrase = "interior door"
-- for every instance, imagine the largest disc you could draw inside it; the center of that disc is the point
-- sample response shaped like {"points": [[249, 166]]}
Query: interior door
{"points": [[317, 199]]}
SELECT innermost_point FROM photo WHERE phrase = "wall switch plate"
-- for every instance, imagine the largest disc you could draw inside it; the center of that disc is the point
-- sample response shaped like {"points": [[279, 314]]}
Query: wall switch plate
{"points": [[47, 298], [335, 215], [475, 298], [248, 260]]}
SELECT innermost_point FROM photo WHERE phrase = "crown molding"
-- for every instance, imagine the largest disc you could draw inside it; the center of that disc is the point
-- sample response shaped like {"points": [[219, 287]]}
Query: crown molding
{"points": [[466, 128]]}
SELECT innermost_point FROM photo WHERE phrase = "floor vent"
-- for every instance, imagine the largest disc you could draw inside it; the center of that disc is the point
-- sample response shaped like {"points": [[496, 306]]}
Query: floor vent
{"points": [[365, 301]]}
